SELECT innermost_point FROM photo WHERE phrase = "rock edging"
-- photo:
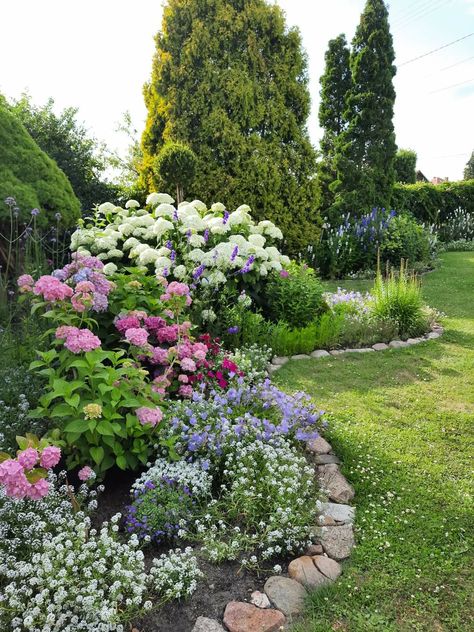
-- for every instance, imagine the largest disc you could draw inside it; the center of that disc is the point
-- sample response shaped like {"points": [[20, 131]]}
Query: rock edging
{"points": [[278, 362], [283, 597]]}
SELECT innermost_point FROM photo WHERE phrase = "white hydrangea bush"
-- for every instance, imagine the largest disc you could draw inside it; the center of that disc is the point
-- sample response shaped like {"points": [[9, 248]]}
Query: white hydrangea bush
{"points": [[186, 243]]}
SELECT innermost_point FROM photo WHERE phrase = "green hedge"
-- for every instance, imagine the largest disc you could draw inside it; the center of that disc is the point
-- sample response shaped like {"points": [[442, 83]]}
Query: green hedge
{"points": [[432, 203], [32, 177]]}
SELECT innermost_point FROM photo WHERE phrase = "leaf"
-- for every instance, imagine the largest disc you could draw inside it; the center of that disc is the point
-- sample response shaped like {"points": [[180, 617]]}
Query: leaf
{"points": [[104, 427], [74, 400], [36, 364], [35, 475], [121, 462], [4, 456], [97, 453], [23, 442], [78, 425], [61, 410]]}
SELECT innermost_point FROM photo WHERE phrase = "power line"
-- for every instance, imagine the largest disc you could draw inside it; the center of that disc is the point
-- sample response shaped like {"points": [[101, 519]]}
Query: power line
{"points": [[420, 14], [458, 63], [435, 50], [455, 85], [409, 11]]}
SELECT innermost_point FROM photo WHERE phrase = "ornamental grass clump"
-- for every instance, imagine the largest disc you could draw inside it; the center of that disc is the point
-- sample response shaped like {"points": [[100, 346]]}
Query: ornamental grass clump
{"points": [[398, 298]]}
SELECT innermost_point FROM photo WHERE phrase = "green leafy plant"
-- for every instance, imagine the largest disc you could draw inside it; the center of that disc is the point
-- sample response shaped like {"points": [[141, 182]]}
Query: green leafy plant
{"points": [[295, 297], [398, 298]]}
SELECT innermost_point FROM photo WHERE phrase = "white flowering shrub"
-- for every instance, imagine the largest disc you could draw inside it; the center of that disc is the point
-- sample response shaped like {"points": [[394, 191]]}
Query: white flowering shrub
{"points": [[174, 575], [266, 505], [188, 243]]}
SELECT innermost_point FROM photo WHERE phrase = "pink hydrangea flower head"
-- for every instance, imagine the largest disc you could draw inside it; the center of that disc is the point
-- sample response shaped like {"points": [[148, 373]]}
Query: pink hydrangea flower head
{"points": [[186, 390], [50, 456], [9, 470], [85, 286], [188, 364], [38, 490], [81, 302], [183, 378], [28, 458], [25, 283], [137, 336], [81, 340], [52, 289], [64, 331], [159, 356], [177, 289], [150, 416], [168, 334], [127, 322], [18, 486], [86, 473]]}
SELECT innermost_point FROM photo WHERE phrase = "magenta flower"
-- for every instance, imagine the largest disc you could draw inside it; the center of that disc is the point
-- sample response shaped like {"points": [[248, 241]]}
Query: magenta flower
{"points": [[28, 458], [137, 336], [38, 490], [50, 456], [79, 340], [86, 473], [284, 274]]}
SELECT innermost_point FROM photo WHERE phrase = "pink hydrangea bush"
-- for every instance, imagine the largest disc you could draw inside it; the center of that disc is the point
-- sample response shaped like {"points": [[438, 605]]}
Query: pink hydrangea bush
{"points": [[25, 475]]}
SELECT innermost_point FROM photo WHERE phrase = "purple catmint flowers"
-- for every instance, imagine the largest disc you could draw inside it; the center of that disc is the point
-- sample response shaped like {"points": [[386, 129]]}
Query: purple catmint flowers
{"points": [[248, 265], [234, 254]]}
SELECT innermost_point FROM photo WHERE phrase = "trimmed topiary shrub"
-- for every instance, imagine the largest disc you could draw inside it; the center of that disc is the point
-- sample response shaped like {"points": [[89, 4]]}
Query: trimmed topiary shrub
{"points": [[433, 202], [31, 177]]}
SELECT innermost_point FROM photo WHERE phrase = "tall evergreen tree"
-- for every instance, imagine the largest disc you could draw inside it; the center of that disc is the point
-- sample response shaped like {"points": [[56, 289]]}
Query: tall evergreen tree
{"points": [[335, 86], [229, 79], [469, 168], [405, 166], [367, 148]]}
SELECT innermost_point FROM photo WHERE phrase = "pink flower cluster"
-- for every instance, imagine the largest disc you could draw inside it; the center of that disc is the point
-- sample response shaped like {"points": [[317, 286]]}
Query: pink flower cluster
{"points": [[25, 283], [52, 289], [86, 473], [175, 289], [149, 416], [77, 340], [13, 472]]}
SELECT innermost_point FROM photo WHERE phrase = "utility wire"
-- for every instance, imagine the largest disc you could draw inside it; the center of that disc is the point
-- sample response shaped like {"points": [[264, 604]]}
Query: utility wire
{"points": [[435, 50], [408, 11], [458, 63], [420, 14], [455, 85]]}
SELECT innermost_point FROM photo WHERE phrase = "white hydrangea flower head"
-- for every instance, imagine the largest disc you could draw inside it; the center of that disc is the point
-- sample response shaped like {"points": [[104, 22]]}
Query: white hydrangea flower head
{"points": [[109, 269], [132, 204], [217, 207], [159, 198], [162, 226], [183, 203], [106, 207], [257, 240], [200, 206], [164, 210], [180, 272]]}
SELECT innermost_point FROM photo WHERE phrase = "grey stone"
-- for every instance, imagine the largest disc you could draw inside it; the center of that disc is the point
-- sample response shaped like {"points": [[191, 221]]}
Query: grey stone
{"points": [[320, 353], [285, 594], [259, 599], [414, 341], [314, 549], [336, 511], [304, 571], [315, 534], [433, 335], [300, 356], [326, 521], [271, 368], [325, 459], [328, 567], [335, 484], [398, 344], [280, 361], [361, 350], [338, 542], [336, 352], [380, 346], [203, 624], [318, 446]]}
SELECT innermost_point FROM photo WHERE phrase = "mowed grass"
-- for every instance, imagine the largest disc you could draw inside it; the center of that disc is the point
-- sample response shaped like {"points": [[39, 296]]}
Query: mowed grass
{"points": [[402, 421]]}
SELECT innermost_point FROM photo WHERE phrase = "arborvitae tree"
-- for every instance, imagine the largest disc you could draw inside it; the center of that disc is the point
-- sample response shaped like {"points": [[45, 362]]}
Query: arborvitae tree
{"points": [[335, 86], [229, 79], [469, 169], [405, 166], [175, 169], [366, 150], [31, 177]]}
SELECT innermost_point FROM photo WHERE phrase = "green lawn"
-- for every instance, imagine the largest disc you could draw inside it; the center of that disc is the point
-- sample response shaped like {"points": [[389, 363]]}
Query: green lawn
{"points": [[402, 421]]}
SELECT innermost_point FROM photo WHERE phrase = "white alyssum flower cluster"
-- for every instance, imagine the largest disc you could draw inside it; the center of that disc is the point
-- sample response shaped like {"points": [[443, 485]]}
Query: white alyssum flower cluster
{"points": [[192, 475], [175, 575], [182, 242], [267, 505], [252, 360]]}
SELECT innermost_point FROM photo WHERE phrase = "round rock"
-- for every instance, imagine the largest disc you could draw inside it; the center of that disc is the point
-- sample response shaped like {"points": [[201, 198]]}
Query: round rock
{"points": [[338, 542], [244, 617], [334, 483], [285, 594], [203, 624], [259, 599], [318, 446], [305, 572], [328, 567]]}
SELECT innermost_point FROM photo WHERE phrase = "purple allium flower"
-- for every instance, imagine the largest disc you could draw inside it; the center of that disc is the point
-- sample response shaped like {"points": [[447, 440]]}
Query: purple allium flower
{"points": [[10, 201], [233, 330], [35, 212]]}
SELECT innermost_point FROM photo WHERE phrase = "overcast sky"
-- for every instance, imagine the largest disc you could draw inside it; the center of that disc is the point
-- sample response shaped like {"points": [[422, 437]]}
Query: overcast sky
{"points": [[96, 54]]}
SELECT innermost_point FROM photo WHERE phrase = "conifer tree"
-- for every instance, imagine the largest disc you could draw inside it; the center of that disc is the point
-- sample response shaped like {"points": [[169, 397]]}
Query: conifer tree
{"points": [[469, 168], [335, 86], [229, 79], [367, 148]]}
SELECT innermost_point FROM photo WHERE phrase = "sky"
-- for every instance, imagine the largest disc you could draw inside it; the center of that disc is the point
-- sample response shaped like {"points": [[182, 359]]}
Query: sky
{"points": [[96, 55]]}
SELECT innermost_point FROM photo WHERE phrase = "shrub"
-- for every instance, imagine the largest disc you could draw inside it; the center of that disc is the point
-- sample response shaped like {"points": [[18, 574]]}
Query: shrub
{"points": [[433, 203], [459, 245], [458, 225], [398, 298], [294, 296], [406, 239], [31, 177]]}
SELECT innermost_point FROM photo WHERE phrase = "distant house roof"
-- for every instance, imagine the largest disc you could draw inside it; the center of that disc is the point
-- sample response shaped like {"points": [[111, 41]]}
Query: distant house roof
{"points": [[420, 177], [438, 180]]}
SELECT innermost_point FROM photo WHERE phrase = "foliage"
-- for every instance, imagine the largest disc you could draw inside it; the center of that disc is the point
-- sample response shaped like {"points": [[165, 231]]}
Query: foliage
{"points": [[469, 169], [459, 245], [405, 166], [64, 139], [175, 168], [406, 239], [398, 298], [409, 412], [335, 85], [366, 149], [433, 203], [458, 225], [30, 176], [294, 296], [230, 80], [265, 505]]}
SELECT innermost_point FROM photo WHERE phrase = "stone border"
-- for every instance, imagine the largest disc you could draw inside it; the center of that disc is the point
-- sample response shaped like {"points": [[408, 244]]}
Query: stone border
{"points": [[278, 362], [283, 598]]}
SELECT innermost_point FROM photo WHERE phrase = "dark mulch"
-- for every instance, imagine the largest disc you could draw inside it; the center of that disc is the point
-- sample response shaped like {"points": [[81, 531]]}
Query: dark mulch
{"points": [[221, 583]]}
